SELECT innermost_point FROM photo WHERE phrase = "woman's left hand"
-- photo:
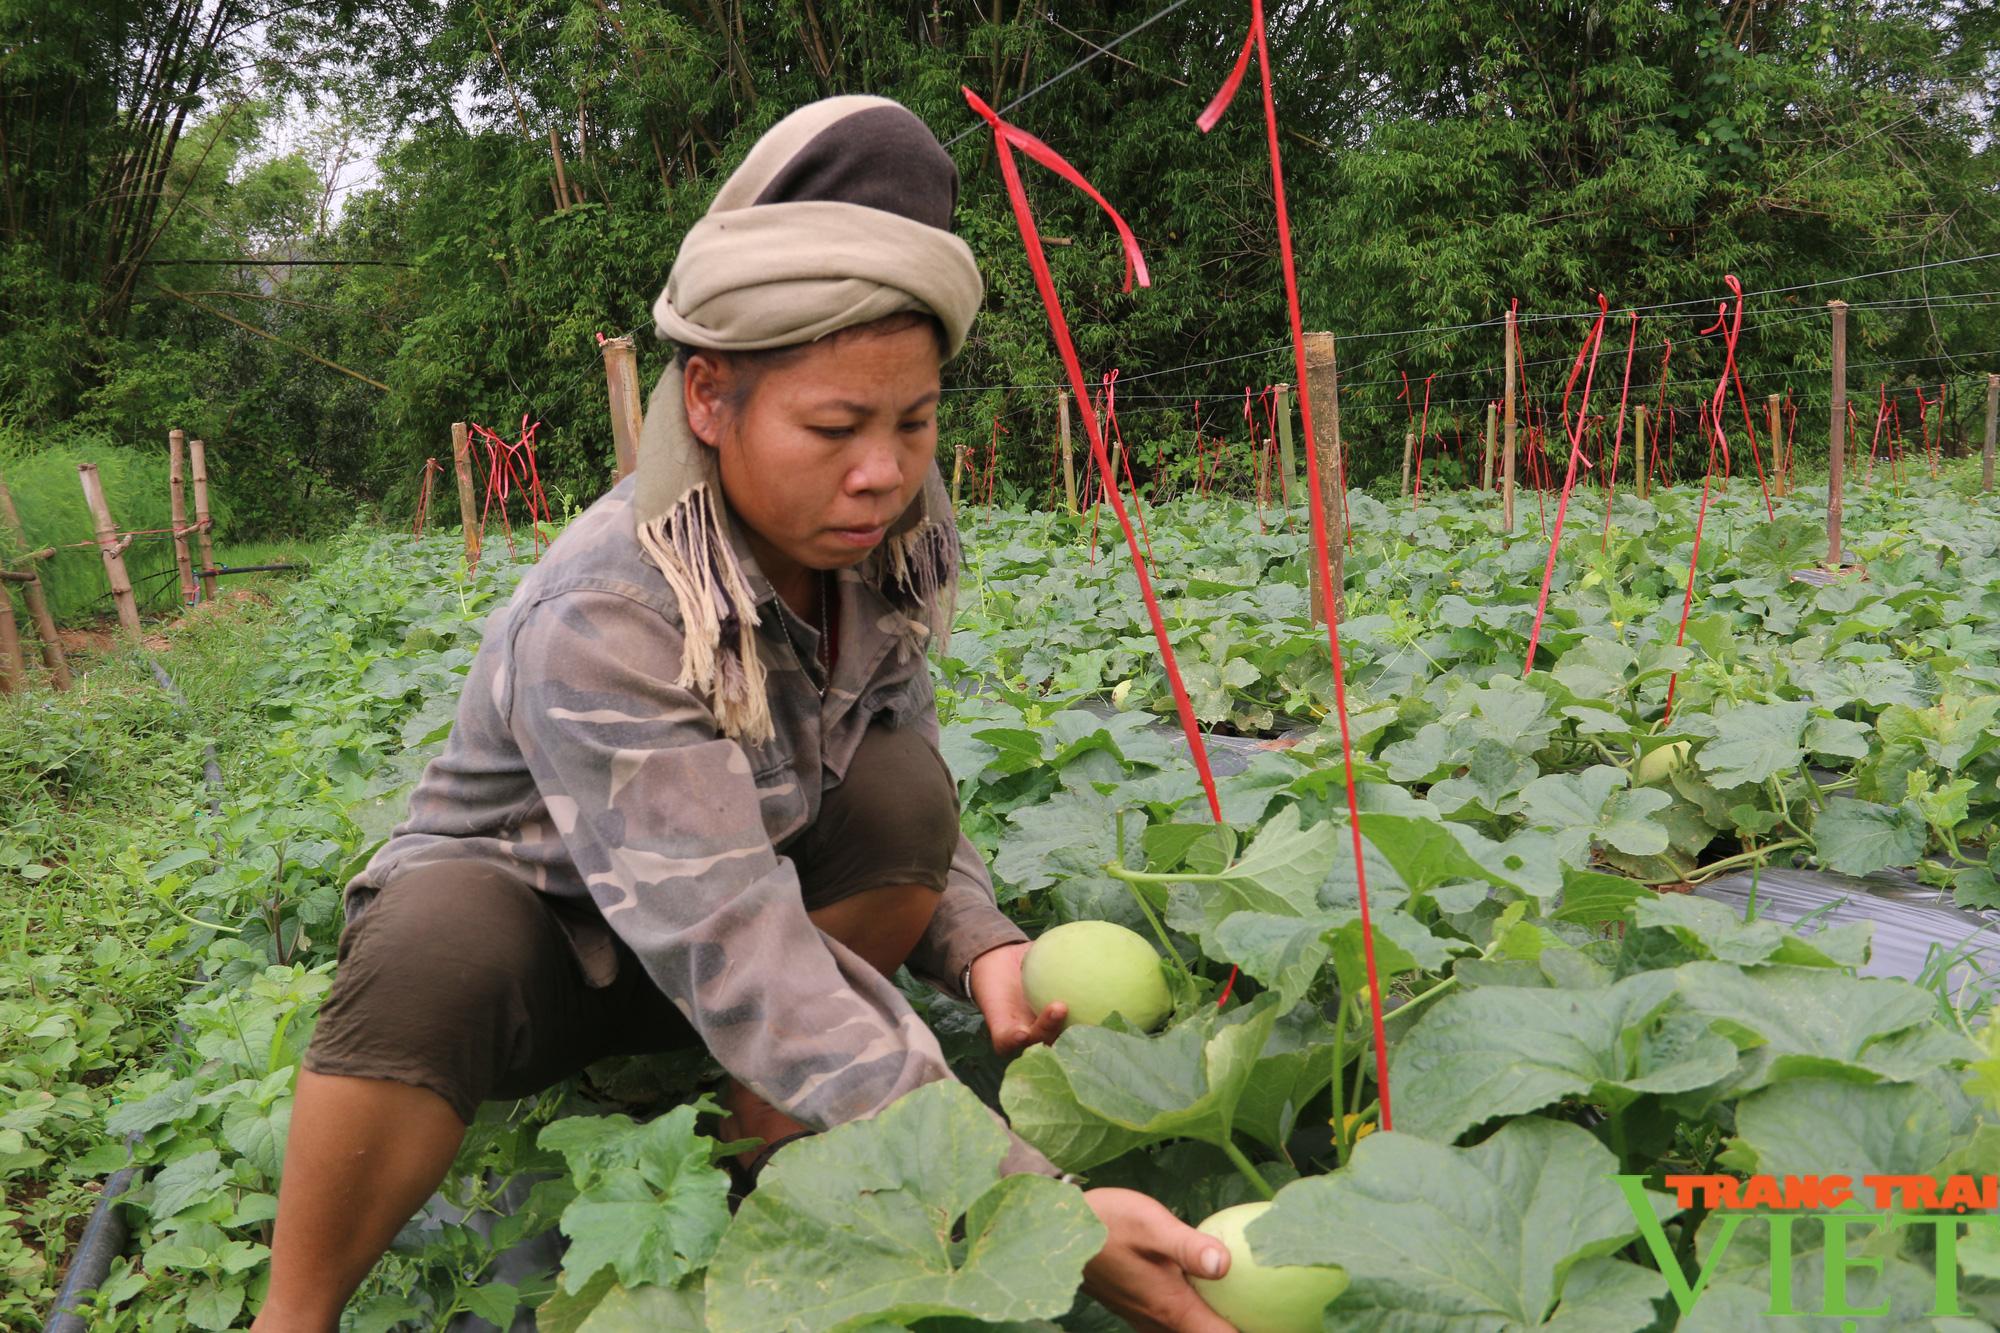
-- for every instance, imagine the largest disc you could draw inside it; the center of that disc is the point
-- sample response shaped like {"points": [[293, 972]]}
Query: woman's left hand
{"points": [[1012, 1021]]}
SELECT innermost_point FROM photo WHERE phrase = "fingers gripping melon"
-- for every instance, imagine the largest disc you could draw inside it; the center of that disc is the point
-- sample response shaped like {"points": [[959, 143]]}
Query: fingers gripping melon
{"points": [[1097, 968], [1278, 1299]]}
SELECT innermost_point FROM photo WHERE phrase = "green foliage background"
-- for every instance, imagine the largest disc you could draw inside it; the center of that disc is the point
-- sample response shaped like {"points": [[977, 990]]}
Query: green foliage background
{"points": [[1440, 161]]}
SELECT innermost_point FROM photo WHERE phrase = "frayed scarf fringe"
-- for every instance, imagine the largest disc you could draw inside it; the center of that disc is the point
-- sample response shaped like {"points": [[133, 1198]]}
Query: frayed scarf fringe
{"points": [[923, 563], [691, 549]]}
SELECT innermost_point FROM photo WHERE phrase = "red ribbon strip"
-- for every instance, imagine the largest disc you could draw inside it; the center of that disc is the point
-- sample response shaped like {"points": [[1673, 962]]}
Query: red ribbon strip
{"points": [[1618, 437], [1111, 413], [1881, 416], [1423, 427], [1590, 346], [430, 471], [1743, 400], [1716, 439], [1209, 117], [1006, 138]]}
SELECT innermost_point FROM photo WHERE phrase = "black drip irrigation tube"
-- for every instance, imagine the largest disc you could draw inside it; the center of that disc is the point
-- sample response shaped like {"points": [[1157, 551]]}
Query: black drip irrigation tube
{"points": [[106, 1233]]}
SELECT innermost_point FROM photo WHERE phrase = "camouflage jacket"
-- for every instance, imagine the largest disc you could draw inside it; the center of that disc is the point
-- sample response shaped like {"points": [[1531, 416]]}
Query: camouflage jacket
{"points": [[579, 765]]}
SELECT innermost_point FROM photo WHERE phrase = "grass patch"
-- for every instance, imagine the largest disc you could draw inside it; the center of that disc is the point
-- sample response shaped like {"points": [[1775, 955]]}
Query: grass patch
{"points": [[90, 782]]}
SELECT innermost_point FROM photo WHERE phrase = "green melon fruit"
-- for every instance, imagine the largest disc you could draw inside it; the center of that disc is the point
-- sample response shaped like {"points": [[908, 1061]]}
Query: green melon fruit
{"points": [[1257, 1299], [1097, 968], [1656, 766]]}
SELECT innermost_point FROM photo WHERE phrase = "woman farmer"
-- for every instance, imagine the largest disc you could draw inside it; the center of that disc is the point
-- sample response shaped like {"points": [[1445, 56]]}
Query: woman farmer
{"points": [[694, 793]]}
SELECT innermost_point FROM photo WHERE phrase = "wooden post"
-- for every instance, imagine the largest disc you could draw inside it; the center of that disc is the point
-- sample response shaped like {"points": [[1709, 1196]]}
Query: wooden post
{"points": [[1069, 464], [1835, 453], [1492, 439], [38, 605], [1507, 434], [1781, 464], [1285, 455], [177, 493], [111, 548], [1409, 447], [468, 515], [13, 663], [1642, 467], [198, 464], [621, 378], [1323, 388], [1992, 431]]}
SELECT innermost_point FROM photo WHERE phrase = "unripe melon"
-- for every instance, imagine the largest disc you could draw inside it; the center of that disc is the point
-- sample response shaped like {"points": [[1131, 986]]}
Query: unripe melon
{"points": [[1278, 1299], [1658, 765], [1097, 968]]}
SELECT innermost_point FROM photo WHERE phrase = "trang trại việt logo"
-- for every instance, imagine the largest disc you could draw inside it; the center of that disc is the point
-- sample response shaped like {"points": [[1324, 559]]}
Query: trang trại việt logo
{"points": [[1848, 1210]]}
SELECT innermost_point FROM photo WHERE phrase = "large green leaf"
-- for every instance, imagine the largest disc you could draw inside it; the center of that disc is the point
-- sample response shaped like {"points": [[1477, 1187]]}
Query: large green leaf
{"points": [[1279, 874], [644, 1310], [649, 1206], [1512, 1234], [1817, 1126], [1504, 1050], [856, 1224], [1097, 1094], [1072, 834], [1716, 930], [1427, 853], [1593, 899], [1899, 1294], [1595, 668], [1861, 837], [1815, 1022], [1493, 777], [1751, 742], [1287, 953], [1589, 807]]}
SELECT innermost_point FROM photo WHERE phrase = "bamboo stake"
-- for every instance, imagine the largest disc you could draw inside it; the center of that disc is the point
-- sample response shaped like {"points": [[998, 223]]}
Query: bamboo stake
{"points": [[1507, 432], [621, 378], [1285, 455], [468, 514], [111, 548], [1492, 438], [1642, 468], [198, 464], [1323, 388], [957, 471], [1834, 453], [1992, 431], [1069, 464], [177, 493], [38, 605], [1409, 447]]}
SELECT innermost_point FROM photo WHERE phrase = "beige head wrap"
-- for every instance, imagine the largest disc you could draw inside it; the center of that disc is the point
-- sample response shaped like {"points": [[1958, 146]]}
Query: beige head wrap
{"points": [[839, 215]]}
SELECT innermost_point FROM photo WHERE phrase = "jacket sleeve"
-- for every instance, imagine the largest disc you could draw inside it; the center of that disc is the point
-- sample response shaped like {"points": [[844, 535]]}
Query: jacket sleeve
{"points": [[968, 921], [660, 812]]}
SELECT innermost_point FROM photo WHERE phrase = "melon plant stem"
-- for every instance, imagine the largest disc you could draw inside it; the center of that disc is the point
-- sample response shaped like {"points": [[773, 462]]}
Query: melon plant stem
{"points": [[1618, 1144], [1132, 879], [1758, 854], [1341, 1146], [1249, 1171], [1812, 788]]}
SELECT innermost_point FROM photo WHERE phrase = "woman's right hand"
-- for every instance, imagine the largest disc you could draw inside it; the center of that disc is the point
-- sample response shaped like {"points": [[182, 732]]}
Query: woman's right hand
{"points": [[1141, 1274]]}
